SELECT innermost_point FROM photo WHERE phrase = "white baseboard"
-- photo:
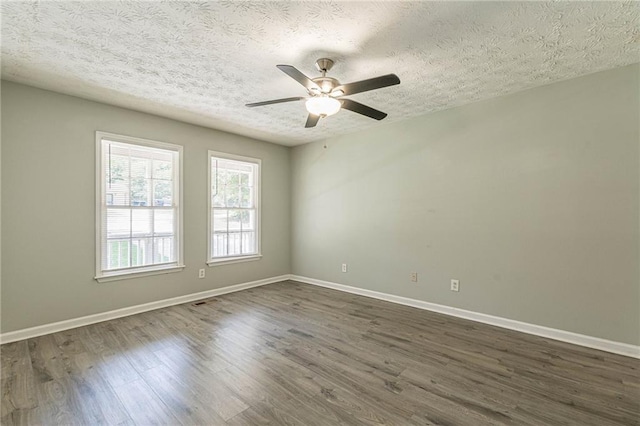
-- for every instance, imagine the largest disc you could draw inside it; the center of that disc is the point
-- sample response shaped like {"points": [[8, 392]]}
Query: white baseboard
{"points": [[551, 333], [538, 330], [40, 330]]}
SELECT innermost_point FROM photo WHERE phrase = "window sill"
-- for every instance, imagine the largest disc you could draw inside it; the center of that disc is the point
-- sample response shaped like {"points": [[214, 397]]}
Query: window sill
{"points": [[138, 274], [229, 260]]}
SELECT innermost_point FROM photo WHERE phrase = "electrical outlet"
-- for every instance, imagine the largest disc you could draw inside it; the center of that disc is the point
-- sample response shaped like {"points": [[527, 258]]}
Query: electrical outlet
{"points": [[455, 285], [344, 267], [201, 273], [414, 277]]}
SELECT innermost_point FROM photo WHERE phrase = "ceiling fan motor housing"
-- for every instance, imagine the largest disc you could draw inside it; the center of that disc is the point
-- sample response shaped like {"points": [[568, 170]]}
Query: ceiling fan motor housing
{"points": [[326, 84]]}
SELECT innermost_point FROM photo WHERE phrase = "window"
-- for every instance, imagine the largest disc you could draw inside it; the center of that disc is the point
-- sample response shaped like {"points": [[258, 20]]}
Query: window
{"points": [[139, 207], [234, 205]]}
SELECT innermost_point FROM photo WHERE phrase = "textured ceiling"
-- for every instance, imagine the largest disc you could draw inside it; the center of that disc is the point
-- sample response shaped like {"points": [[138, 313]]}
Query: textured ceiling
{"points": [[200, 62]]}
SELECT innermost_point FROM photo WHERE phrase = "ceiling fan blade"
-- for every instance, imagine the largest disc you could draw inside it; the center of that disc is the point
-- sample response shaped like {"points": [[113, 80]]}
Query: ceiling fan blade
{"points": [[312, 120], [362, 109], [370, 84], [275, 101], [298, 76]]}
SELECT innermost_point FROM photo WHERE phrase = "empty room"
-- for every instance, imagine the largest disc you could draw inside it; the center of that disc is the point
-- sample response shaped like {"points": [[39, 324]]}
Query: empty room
{"points": [[320, 213]]}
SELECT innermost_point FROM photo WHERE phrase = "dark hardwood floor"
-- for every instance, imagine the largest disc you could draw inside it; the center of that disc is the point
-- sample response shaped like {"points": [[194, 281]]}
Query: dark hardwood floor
{"points": [[295, 354]]}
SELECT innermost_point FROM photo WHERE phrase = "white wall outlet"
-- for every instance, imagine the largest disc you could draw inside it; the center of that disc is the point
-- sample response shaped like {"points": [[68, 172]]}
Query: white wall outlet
{"points": [[413, 277], [344, 267], [455, 285], [201, 273]]}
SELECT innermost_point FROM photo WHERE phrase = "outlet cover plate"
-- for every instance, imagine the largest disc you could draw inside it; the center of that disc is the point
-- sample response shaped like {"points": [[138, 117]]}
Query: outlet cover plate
{"points": [[455, 285]]}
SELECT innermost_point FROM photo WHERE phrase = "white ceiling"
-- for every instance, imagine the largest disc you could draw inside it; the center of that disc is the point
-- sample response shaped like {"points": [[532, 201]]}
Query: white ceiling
{"points": [[200, 62]]}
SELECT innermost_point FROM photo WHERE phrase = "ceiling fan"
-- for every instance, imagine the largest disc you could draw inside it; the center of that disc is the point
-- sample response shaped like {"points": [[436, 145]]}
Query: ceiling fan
{"points": [[325, 93]]}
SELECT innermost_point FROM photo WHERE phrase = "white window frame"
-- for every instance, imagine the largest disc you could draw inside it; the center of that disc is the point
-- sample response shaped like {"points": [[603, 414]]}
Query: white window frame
{"points": [[211, 261], [178, 265]]}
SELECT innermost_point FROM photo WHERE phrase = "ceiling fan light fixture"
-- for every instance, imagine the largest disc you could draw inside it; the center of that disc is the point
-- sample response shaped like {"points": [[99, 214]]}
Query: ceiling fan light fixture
{"points": [[323, 106]]}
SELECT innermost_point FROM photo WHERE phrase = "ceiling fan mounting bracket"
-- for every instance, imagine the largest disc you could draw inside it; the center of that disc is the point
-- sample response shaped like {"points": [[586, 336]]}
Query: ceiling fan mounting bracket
{"points": [[324, 64]]}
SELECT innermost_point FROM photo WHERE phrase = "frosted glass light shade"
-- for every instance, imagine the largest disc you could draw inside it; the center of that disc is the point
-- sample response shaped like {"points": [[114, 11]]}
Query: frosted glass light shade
{"points": [[323, 105]]}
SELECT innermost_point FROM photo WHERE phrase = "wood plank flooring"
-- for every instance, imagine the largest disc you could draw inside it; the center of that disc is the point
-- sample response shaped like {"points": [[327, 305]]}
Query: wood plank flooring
{"points": [[295, 354]]}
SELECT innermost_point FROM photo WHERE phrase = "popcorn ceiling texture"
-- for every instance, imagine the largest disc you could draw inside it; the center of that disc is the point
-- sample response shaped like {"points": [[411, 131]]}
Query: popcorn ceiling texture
{"points": [[200, 62]]}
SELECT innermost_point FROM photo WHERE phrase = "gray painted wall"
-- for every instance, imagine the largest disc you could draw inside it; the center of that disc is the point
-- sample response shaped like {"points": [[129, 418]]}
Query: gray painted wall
{"points": [[530, 200], [48, 208]]}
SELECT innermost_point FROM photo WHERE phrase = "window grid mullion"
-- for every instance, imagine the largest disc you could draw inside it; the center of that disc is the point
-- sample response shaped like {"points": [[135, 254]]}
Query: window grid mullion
{"points": [[141, 207], [227, 228], [153, 212], [240, 186], [130, 216]]}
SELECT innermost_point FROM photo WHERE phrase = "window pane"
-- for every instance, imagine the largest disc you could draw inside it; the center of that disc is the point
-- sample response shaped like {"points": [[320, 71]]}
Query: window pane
{"points": [[140, 179], [244, 179], [235, 220], [163, 222], [233, 178], [118, 223], [219, 244], [222, 174], [141, 222], [140, 164], [117, 167], [162, 192], [217, 197], [163, 250], [117, 254], [232, 195], [248, 242], [235, 241], [246, 197], [220, 220], [116, 179], [248, 218], [118, 194], [162, 170], [140, 190], [141, 251]]}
